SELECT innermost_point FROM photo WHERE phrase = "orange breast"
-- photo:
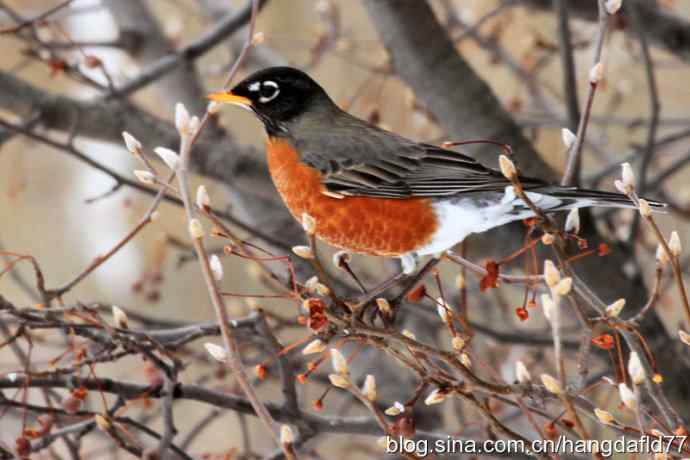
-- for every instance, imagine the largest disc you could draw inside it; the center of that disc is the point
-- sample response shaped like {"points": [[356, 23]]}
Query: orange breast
{"points": [[377, 226]]}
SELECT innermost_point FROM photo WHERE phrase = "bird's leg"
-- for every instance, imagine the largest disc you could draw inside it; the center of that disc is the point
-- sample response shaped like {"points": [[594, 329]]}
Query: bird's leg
{"points": [[408, 264], [410, 285]]}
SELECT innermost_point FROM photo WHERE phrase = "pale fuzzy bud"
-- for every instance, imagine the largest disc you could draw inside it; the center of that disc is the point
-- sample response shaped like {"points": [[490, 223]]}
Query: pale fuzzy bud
{"points": [[286, 435], [564, 286], [612, 6], [170, 158], [645, 209], [120, 317], [181, 119], [684, 337], [315, 346], [155, 215], [568, 137], [627, 396], [620, 186], [194, 124], [339, 362], [458, 343], [340, 381], [216, 267], [636, 369], [102, 422], [369, 387], [258, 38], [551, 384], [551, 274], [310, 284], [548, 306], [321, 289], [203, 201], [132, 144], [308, 224], [304, 252], [384, 306], [661, 255], [613, 310], [213, 107], [409, 334], [443, 310], [460, 281], [547, 239], [604, 416], [341, 258], [396, 409], [216, 351], [145, 177], [572, 222], [196, 230], [521, 373], [507, 167], [674, 244], [466, 360], [596, 73], [435, 397], [628, 176]]}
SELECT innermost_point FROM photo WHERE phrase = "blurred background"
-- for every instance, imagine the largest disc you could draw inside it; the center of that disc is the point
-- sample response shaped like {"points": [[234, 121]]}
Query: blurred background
{"points": [[60, 211]]}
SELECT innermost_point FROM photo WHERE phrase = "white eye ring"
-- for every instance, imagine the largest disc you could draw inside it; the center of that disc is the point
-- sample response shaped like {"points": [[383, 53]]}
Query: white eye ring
{"points": [[271, 84]]}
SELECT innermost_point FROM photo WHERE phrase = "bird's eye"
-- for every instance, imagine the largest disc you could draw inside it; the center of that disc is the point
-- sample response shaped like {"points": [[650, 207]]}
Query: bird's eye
{"points": [[269, 91]]}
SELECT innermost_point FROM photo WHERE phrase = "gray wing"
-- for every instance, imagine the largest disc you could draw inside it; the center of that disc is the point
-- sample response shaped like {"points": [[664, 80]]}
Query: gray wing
{"points": [[360, 160]]}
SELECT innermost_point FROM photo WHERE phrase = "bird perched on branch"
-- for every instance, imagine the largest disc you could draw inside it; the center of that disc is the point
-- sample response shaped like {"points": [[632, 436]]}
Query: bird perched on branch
{"points": [[374, 192]]}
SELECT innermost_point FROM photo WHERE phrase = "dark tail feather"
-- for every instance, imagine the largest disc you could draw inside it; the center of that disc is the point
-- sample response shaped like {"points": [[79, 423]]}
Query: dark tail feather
{"points": [[575, 197]]}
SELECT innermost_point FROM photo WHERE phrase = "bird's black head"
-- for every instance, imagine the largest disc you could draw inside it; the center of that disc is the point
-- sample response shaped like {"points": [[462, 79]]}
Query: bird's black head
{"points": [[278, 95]]}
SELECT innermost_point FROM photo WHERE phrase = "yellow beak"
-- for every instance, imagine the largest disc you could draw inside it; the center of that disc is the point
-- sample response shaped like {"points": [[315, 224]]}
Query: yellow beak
{"points": [[229, 98]]}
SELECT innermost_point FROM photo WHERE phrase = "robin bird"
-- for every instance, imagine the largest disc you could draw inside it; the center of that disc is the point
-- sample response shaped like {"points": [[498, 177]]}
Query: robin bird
{"points": [[374, 192]]}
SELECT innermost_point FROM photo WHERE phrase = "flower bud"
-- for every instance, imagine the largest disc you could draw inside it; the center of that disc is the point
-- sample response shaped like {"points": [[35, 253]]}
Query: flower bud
{"points": [[613, 310], [661, 255], [443, 310], [145, 177], [339, 380], [645, 208], [604, 416], [564, 286], [132, 144], [396, 409], [521, 373], [203, 201], [341, 258], [304, 252], [286, 435], [551, 274], [409, 334], [181, 119], [258, 38], [551, 384], [369, 387], [458, 343], [547, 239], [507, 167], [612, 6], [170, 158], [120, 317], [384, 306], [568, 137], [315, 346], [216, 267], [636, 369], [596, 73], [466, 360], [627, 177], [102, 422], [216, 351], [435, 397], [627, 396], [674, 244], [196, 230], [339, 362], [684, 337]]}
